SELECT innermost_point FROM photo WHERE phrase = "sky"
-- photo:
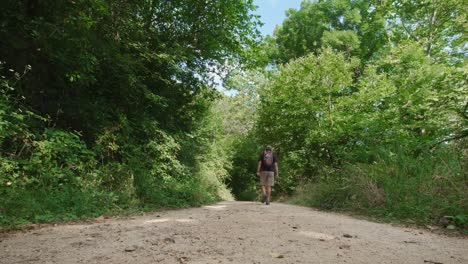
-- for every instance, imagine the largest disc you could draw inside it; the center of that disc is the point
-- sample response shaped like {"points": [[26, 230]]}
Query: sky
{"points": [[272, 12]]}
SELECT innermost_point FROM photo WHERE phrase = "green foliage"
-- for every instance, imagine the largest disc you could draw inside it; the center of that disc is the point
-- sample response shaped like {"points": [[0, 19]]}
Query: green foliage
{"points": [[237, 115], [368, 113], [374, 145], [405, 98], [364, 28], [397, 186], [243, 181], [437, 26], [346, 40], [355, 27], [57, 158], [113, 110], [110, 106], [300, 109], [312, 109], [22, 206]]}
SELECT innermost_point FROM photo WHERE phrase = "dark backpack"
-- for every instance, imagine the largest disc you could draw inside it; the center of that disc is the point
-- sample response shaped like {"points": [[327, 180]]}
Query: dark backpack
{"points": [[267, 158]]}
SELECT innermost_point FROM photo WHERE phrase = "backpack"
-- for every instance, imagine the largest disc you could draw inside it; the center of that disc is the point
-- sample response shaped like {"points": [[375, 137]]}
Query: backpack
{"points": [[267, 158]]}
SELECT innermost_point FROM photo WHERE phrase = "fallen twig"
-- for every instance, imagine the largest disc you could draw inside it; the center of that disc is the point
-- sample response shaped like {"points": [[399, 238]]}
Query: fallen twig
{"points": [[433, 262]]}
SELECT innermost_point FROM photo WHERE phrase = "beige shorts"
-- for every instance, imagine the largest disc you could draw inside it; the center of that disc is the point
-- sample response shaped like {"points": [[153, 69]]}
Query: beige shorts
{"points": [[267, 178]]}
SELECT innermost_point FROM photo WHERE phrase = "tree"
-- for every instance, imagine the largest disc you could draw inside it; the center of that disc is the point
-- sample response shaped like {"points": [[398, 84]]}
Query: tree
{"points": [[355, 27], [144, 56], [125, 90], [438, 26], [300, 109], [238, 114], [404, 97]]}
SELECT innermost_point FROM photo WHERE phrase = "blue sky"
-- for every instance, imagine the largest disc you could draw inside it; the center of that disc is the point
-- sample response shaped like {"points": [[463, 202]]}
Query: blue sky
{"points": [[272, 12]]}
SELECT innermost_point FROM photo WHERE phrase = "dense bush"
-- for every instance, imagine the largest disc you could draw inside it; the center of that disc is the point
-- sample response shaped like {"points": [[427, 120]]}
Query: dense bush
{"points": [[398, 186], [368, 113], [385, 145], [113, 109]]}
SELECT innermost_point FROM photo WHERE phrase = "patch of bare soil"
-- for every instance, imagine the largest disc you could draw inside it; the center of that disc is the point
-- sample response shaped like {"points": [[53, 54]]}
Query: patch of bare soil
{"points": [[232, 232]]}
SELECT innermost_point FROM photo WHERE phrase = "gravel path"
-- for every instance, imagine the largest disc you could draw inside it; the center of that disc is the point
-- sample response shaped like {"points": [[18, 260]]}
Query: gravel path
{"points": [[232, 232]]}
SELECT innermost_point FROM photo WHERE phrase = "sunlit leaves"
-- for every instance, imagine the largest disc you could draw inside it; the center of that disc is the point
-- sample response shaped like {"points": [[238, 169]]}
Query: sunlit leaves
{"points": [[303, 97], [438, 26], [354, 27]]}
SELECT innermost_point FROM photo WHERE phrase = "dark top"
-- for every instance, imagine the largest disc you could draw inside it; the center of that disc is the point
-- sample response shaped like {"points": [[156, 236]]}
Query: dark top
{"points": [[266, 168]]}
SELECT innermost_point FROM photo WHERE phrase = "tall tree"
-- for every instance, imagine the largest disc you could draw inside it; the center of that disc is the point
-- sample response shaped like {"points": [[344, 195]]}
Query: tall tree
{"points": [[356, 27], [438, 26], [95, 61]]}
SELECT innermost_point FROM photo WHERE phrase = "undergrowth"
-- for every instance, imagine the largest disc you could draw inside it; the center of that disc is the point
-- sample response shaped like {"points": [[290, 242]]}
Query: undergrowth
{"points": [[401, 187]]}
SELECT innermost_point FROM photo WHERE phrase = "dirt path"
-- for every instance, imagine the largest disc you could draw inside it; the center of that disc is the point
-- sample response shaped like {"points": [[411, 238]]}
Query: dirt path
{"points": [[232, 232]]}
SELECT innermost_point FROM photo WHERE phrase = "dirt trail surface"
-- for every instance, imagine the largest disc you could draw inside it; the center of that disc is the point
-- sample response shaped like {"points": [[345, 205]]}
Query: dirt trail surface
{"points": [[232, 232]]}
